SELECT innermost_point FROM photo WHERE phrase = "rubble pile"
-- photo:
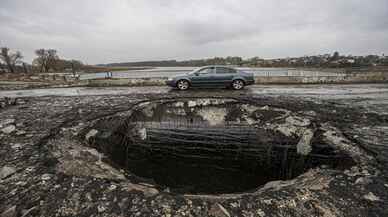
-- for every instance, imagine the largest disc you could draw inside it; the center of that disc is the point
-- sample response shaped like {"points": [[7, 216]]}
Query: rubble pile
{"points": [[54, 161]]}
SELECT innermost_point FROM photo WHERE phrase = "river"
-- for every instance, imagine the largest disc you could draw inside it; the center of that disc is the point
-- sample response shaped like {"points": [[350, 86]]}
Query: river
{"points": [[158, 72]]}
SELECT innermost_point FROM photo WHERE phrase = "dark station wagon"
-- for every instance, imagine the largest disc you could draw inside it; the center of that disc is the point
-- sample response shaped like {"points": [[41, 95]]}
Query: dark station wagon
{"points": [[212, 76]]}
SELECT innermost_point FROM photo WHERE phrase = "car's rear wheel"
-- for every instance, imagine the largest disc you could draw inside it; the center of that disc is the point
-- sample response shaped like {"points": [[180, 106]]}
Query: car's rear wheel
{"points": [[182, 85], [238, 84]]}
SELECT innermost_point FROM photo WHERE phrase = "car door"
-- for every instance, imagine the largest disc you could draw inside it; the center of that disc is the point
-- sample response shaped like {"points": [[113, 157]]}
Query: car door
{"points": [[224, 75], [203, 77]]}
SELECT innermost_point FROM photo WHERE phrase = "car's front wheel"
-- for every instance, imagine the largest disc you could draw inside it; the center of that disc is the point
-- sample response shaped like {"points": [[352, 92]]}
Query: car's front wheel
{"points": [[238, 84], [182, 85]]}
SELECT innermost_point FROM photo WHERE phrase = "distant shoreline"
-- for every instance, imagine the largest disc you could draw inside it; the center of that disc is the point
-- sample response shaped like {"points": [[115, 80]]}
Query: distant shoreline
{"points": [[115, 68]]}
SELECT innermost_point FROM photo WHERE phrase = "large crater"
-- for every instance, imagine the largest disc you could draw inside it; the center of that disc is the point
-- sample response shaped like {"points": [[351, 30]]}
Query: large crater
{"points": [[213, 145]]}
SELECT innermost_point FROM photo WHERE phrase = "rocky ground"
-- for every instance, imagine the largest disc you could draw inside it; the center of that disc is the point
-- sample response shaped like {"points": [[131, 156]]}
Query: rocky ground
{"points": [[47, 167]]}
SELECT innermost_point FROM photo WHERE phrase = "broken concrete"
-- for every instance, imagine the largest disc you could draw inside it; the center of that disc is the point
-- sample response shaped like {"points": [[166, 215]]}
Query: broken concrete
{"points": [[214, 116], [6, 122], [11, 212], [91, 133], [304, 145], [6, 171], [59, 174], [213, 128], [298, 121], [371, 197], [8, 129]]}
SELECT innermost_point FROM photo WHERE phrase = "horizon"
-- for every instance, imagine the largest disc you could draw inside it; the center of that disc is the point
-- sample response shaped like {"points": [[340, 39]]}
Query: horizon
{"points": [[244, 58], [128, 31]]}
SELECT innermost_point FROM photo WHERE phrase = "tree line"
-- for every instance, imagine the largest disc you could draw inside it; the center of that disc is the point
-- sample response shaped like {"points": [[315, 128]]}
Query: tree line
{"points": [[166, 63], [46, 60], [326, 60]]}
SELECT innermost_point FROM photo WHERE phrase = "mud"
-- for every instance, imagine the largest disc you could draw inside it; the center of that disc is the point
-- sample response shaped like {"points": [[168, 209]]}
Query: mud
{"points": [[56, 161]]}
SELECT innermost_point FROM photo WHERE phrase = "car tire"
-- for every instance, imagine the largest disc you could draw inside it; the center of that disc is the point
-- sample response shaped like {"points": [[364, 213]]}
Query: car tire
{"points": [[182, 84], [238, 84]]}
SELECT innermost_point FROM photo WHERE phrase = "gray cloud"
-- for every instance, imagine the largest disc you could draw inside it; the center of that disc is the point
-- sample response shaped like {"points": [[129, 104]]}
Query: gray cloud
{"points": [[98, 31]]}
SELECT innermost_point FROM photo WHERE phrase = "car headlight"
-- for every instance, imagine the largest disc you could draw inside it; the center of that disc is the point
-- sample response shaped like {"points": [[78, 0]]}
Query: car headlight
{"points": [[170, 79]]}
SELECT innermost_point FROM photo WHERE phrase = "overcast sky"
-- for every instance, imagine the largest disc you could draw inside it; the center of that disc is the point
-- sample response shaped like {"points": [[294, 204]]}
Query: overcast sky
{"points": [[101, 31]]}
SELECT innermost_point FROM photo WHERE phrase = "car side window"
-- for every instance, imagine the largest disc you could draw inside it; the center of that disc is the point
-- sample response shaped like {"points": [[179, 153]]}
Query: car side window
{"points": [[232, 71], [206, 70], [222, 70]]}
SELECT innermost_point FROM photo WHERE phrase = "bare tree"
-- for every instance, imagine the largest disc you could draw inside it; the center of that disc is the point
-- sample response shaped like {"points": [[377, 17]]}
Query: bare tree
{"points": [[2, 67], [46, 60], [41, 60], [75, 66], [52, 59], [10, 59], [335, 56]]}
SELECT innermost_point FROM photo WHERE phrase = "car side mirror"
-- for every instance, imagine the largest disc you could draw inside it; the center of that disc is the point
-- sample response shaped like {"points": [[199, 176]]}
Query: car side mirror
{"points": [[196, 73]]}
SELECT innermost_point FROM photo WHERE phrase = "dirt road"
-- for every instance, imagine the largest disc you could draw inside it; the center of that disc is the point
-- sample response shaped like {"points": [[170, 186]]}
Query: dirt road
{"points": [[326, 91]]}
